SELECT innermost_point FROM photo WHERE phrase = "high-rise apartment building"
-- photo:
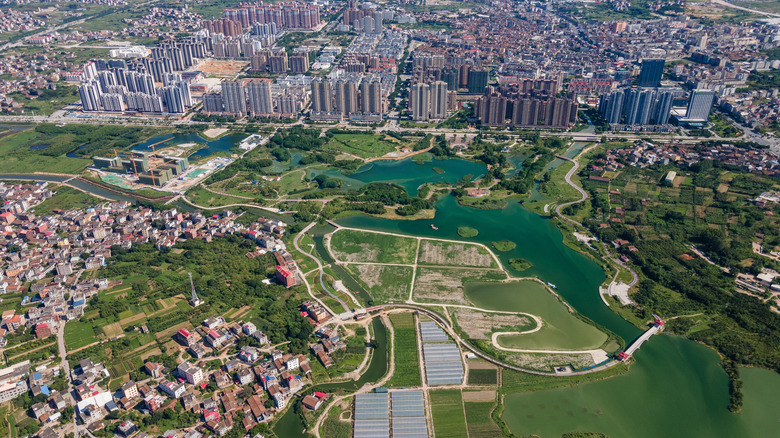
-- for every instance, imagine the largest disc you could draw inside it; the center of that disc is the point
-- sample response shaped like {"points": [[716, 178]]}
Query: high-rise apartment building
{"points": [[421, 102], [700, 105], [321, 96], [234, 98], [438, 92], [651, 73], [260, 101]]}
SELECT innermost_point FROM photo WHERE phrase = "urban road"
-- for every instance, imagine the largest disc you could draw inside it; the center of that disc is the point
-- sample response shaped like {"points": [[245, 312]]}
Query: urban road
{"points": [[392, 125]]}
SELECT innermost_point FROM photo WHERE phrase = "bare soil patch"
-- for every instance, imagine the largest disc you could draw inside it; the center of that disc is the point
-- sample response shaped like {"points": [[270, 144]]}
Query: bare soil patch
{"points": [[480, 325]]}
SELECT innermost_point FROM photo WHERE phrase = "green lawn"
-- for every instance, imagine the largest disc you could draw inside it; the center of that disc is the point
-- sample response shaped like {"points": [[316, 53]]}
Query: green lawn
{"points": [[78, 334], [449, 420], [407, 362], [362, 246], [362, 145], [66, 198]]}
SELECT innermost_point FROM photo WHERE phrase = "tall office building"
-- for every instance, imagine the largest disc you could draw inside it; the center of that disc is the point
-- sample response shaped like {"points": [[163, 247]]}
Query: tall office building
{"points": [[233, 98], [186, 94], [260, 101], [421, 101], [651, 73], [371, 97], [700, 105], [478, 80], [346, 98], [611, 106], [637, 106], [321, 96], [438, 91], [662, 106]]}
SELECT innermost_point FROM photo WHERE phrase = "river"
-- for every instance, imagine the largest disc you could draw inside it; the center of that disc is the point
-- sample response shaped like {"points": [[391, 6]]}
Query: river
{"points": [[677, 387]]}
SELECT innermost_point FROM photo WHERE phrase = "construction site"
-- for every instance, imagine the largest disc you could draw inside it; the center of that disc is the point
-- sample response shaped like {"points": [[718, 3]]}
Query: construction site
{"points": [[134, 170]]}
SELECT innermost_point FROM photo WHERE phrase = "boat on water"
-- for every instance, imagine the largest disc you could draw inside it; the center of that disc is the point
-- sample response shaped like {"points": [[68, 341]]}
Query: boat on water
{"points": [[434, 227], [552, 285]]}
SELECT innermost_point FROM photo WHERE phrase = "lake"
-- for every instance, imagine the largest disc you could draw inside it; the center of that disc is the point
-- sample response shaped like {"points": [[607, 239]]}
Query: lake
{"points": [[207, 148], [407, 173], [677, 387]]}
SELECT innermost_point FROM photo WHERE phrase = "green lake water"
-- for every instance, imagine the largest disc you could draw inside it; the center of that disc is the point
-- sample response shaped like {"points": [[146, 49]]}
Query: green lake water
{"points": [[677, 387], [561, 329], [407, 173], [209, 147]]}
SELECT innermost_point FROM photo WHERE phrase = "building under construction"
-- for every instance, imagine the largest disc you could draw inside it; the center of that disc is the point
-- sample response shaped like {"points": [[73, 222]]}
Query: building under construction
{"points": [[154, 169]]}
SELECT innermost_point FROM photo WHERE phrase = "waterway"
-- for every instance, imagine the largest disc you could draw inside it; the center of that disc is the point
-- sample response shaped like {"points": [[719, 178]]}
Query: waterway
{"points": [[677, 387], [207, 148], [408, 173]]}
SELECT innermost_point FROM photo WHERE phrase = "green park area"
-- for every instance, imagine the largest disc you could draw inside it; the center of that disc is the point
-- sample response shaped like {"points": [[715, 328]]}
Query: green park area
{"points": [[363, 145], [65, 149], [362, 246]]}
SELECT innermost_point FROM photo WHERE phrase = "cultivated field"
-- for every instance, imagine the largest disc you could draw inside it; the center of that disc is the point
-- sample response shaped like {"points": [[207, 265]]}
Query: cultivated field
{"points": [[480, 424], [480, 325], [359, 246], [448, 416], [407, 365], [386, 284], [454, 254], [445, 285]]}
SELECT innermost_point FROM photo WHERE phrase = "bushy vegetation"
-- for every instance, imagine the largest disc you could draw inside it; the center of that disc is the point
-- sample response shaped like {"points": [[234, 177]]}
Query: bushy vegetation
{"points": [[224, 277], [710, 209]]}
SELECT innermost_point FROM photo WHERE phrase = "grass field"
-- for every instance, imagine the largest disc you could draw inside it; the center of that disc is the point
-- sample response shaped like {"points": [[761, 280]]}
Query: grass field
{"points": [[386, 284], [448, 418], [407, 362], [56, 142], [66, 198], [360, 246], [483, 376], [362, 145], [480, 424], [17, 156], [78, 334]]}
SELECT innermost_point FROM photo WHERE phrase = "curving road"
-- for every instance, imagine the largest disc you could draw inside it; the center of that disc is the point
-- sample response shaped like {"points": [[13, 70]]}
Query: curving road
{"points": [[319, 266], [583, 197]]}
